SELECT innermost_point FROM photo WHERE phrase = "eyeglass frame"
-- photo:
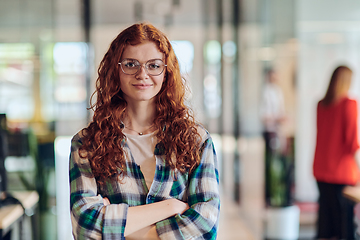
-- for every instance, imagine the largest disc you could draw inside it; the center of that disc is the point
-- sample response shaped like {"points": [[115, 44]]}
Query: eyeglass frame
{"points": [[142, 64]]}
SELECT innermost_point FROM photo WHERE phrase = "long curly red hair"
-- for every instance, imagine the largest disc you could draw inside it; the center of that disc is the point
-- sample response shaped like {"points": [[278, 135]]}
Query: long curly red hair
{"points": [[176, 128]]}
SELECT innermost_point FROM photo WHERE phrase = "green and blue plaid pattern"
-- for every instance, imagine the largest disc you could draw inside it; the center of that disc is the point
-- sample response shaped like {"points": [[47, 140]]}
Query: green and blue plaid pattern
{"points": [[92, 220]]}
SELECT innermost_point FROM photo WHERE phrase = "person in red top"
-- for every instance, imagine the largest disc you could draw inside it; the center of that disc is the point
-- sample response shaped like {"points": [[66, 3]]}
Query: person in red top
{"points": [[335, 165]]}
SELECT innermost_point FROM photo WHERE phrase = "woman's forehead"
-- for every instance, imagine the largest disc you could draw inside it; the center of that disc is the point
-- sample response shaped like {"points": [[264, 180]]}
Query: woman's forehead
{"points": [[143, 51]]}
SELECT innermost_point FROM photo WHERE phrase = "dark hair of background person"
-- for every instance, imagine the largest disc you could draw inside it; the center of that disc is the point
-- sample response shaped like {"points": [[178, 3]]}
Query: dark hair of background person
{"points": [[339, 84], [174, 123]]}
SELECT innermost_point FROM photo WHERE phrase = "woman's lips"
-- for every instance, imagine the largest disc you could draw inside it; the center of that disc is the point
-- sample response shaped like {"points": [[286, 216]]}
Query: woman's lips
{"points": [[142, 86]]}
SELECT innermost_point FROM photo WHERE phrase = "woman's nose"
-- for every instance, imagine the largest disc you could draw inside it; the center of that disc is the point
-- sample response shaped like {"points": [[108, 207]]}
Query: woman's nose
{"points": [[142, 73]]}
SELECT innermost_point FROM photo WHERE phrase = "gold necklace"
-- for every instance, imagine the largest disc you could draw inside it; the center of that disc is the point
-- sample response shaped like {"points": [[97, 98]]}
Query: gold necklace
{"points": [[122, 125]]}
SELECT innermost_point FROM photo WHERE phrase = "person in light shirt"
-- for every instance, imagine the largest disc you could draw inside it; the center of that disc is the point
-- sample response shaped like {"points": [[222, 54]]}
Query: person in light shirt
{"points": [[272, 115], [272, 108], [143, 168]]}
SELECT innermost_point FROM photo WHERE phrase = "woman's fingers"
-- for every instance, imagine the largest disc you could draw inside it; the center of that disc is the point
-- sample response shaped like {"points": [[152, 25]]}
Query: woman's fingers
{"points": [[106, 201]]}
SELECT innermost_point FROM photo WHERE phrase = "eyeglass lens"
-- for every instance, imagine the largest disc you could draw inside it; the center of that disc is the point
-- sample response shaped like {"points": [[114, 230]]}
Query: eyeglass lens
{"points": [[153, 67]]}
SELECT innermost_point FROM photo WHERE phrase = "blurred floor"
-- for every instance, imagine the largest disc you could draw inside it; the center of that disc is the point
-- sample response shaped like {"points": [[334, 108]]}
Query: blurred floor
{"points": [[232, 226], [246, 220]]}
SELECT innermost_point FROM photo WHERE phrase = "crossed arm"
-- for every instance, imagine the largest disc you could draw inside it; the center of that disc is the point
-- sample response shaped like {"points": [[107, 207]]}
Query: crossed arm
{"points": [[154, 213]]}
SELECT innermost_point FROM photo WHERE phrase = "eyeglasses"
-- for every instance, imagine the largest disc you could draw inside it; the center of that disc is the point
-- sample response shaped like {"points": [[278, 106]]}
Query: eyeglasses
{"points": [[153, 67]]}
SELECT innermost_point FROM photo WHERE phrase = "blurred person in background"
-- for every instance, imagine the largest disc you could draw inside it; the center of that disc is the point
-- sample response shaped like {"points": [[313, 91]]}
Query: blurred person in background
{"points": [[334, 164], [143, 168], [272, 114]]}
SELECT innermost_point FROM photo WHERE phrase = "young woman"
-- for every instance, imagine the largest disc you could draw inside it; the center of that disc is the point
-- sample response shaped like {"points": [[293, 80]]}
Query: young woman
{"points": [[334, 163], [143, 168]]}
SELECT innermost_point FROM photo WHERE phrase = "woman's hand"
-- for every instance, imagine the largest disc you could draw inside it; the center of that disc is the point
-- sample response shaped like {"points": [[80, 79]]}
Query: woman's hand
{"points": [[155, 212], [178, 206], [106, 201]]}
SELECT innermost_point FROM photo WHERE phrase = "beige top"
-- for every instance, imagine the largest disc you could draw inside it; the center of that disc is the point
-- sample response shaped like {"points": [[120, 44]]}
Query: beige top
{"points": [[142, 149]]}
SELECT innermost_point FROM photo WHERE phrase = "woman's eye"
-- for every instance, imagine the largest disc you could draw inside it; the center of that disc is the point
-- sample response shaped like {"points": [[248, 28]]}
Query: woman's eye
{"points": [[130, 65], [153, 66]]}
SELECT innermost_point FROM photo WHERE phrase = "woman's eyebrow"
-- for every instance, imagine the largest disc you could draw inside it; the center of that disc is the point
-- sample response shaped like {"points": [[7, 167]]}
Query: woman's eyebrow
{"points": [[146, 60]]}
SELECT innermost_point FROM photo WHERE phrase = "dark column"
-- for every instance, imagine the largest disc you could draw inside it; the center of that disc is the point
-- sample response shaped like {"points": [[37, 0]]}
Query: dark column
{"points": [[3, 152], [236, 96], [236, 75], [86, 21], [219, 24]]}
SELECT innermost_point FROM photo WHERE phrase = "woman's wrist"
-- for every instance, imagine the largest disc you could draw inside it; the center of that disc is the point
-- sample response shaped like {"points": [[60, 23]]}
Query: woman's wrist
{"points": [[177, 206]]}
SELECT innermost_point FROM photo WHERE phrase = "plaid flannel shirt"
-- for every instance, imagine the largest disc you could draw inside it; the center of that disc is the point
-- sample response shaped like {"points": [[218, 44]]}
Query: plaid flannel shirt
{"points": [[92, 220]]}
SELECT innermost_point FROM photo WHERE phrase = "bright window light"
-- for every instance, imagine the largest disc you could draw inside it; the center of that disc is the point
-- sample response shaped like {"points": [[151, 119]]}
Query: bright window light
{"points": [[184, 51]]}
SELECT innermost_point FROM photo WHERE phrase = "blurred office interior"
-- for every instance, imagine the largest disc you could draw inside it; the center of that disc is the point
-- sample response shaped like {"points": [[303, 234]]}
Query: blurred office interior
{"points": [[50, 51]]}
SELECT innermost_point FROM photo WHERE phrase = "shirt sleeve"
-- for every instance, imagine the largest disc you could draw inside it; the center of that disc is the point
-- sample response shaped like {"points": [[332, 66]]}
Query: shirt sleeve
{"points": [[90, 218], [351, 128], [201, 220]]}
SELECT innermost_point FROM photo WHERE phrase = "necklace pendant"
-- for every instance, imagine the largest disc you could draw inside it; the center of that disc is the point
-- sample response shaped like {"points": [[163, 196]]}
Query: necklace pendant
{"points": [[140, 133]]}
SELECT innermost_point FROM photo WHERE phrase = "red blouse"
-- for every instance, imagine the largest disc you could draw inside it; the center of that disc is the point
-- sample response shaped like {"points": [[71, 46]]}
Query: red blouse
{"points": [[336, 143]]}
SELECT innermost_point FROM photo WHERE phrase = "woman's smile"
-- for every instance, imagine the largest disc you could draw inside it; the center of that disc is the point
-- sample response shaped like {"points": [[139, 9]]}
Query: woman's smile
{"points": [[142, 86]]}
